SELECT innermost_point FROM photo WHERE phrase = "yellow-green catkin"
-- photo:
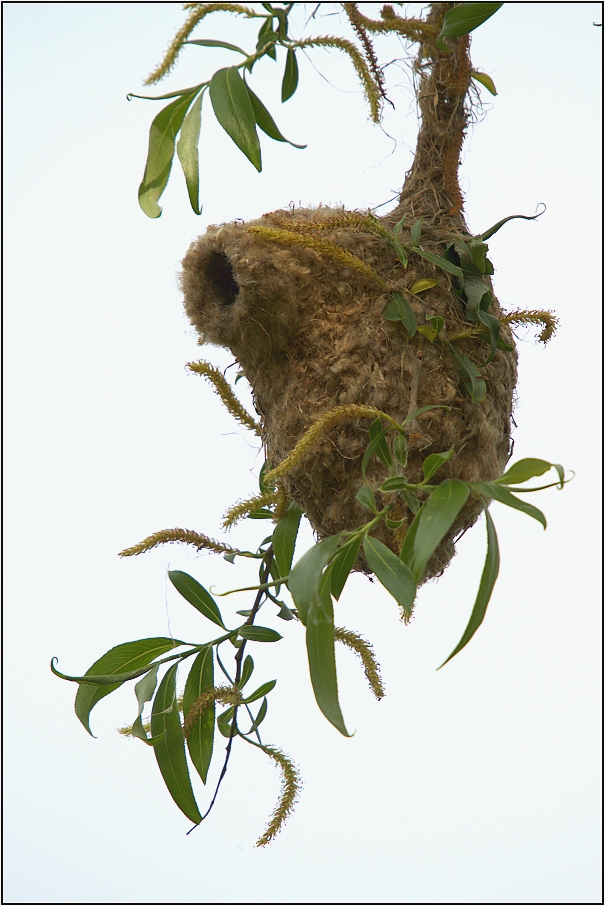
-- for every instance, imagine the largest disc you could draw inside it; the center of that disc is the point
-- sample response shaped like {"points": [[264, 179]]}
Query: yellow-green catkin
{"points": [[363, 649], [184, 536], [198, 11], [226, 695], [321, 427], [290, 789], [288, 237], [245, 507], [546, 318], [349, 221], [226, 394]]}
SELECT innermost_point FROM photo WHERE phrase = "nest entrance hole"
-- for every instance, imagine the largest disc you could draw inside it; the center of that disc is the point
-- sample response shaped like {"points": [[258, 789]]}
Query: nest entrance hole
{"points": [[221, 277]]}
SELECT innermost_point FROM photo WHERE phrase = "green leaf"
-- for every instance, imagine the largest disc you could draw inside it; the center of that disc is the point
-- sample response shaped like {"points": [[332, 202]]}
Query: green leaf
{"points": [[523, 470], [233, 108], [434, 462], [419, 286], [432, 331], [377, 441], [223, 722], [493, 327], [144, 690], [502, 495], [470, 376], [290, 80], [285, 613], [435, 519], [99, 680], [246, 671], [418, 412], [463, 19], [391, 572], [365, 496], [399, 309], [443, 263], [260, 692], [267, 40], [415, 232], [304, 578], [208, 42], [260, 514], [188, 154], [259, 634], [478, 251], [342, 564], [484, 79], [381, 449], [200, 741], [406, 554], [488, 580], [197, 595], [400, 449], [400, 251], [394, 484], [265, 121], [399, 225], [170, 750], [501, 223], [322, 660], [412, 501], [284, 538], [130, 656], [162, 135], [262, 713], [475, 289]]}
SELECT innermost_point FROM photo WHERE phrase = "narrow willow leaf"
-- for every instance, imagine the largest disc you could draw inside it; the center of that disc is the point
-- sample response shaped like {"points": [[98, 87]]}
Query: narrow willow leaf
{"points": [[412, 501], [419, 286], [443, 263], [399, 309], [129, 656], [162, 136], [285, 613], [478, 253], [304, 577], [432, 329], [208, 42], [290, 80], [342, 564], [400, 251], [418, 412], [322, 660], [266, 42], [197, 595], [475, 288], [99, 680], [246, 671], [415, 232], [391, 572], [170, 751], [406, 554], [144, 690], [365, 496], [434, 462], [435, 519], [501, 223], [399, 225], [262, 713], [233, 108], [493, 327], [502, 495], [200, 741], [484, 79], [400, 449], [463, 19], [382, 451], [523, 470], [188, 153], [376, 446], [284, 538], [266, 122], [259, 634], [486, 586], [260, 692], [470, 375]]}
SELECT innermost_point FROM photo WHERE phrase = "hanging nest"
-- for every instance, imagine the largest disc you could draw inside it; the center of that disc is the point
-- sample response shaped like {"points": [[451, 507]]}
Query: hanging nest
{"points": [[305, 325]]}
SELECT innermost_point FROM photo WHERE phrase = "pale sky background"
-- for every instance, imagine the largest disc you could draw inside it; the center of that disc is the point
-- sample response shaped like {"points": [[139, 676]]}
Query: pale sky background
{"points": [[476, 784]]}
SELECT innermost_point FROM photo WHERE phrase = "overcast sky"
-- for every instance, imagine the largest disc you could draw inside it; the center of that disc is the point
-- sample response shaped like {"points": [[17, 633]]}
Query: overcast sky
{"points": [[475, 784]]}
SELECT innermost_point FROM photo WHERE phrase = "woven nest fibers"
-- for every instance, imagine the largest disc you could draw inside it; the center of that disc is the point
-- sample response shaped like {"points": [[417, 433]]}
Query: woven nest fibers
{"points": [[308, 333]]}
